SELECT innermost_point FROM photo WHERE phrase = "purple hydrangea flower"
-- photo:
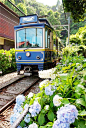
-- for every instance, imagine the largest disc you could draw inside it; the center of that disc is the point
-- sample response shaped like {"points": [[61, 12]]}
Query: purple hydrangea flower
{"points": [[49, 90], [67, 114], [58, 124]]}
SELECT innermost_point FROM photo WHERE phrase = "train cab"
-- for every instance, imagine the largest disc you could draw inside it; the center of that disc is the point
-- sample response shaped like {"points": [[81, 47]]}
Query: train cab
{"points": [[34, 44]]}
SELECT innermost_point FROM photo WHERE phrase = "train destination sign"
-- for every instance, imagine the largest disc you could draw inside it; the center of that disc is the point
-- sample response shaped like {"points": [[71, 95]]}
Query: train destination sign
{"points": [[28, 19]]}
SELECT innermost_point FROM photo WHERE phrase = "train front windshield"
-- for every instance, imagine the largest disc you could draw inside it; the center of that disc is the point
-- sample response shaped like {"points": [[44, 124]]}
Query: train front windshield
{"points": [[29, 38]]}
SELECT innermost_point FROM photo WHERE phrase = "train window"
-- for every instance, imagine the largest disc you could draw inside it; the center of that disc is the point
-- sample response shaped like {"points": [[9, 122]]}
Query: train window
{"points": [[46, 38], [33, 38], [20, 38]]}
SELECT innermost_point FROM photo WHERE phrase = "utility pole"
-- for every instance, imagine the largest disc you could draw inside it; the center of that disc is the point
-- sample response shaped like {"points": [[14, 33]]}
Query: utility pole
{"points": [[68, 29]]}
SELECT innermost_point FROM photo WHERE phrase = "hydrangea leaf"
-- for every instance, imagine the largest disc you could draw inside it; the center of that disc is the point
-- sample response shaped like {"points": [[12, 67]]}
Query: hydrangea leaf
{"points": [[82, 113], [49, 124], [43, 127], [50, 115], [81, 124], [41, 119], [22, 124], [81, 101], [65, 101], [51, 104]]}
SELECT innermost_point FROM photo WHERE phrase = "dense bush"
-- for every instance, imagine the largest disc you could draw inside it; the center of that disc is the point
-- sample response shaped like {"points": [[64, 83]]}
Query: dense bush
{"points": [[75, 39], [74, 50], [7, 61], [79, 37]]}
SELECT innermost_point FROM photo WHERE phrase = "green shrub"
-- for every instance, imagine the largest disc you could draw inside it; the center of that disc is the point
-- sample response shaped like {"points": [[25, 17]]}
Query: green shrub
{"points": [[79, 37], [75, 39], [74, 50], [7, 61], [13, 62]]}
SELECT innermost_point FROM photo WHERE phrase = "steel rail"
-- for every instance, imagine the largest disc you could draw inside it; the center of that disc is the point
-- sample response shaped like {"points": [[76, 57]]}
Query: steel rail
{"points": [[13, 100]]}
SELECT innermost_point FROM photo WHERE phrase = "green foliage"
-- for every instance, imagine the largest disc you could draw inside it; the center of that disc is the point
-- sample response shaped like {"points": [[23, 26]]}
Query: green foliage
{"points": [[74, 50], [50, 115], [41, 119], [79, 37], [82, 33], [7, 61], [53, 17], [74, 26], [22, 7], [77, 8], [13, 61], [74, 39]]}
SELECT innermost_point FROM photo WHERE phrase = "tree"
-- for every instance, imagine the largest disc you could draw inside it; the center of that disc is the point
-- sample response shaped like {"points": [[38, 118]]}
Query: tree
{"points": [[30, 10], [22, 7], [76, 7], [54, 18], [9, 4], [58, 4], [18, 1]]}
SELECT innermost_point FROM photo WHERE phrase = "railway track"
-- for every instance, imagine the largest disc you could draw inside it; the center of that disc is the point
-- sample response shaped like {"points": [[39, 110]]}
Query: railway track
{"points": [[9, 93]]}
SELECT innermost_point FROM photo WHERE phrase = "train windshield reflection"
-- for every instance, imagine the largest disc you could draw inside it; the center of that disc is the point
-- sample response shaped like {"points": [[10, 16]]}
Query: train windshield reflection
{"points": [[29, 38]]}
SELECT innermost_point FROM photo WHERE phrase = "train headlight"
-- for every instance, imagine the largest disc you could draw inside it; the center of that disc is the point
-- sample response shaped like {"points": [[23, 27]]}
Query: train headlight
{"points": [[38, 57], [19, 57], [27, 54]]}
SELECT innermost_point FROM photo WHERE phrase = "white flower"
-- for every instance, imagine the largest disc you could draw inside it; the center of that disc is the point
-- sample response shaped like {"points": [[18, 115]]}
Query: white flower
{"points": [[33, 125], [47, 73], [57, 100], [30, 95], [84, 60], [46, 107], [44, 82], [81, 86], [37, 99], [53, 76]]}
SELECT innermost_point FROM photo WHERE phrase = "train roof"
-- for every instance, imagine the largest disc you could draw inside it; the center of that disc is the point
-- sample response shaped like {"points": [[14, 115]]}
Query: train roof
{"points": [[33, 20]]}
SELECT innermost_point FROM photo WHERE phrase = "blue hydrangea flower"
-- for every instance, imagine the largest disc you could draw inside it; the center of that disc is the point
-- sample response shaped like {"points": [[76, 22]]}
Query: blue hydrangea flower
{"points": [[17, 108], [20, 99], [27, 118], [14, 117], [32, 111], [35, 109], [19, 127], [67, 114], [26, 105], [49, 90], [58, 124]]}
